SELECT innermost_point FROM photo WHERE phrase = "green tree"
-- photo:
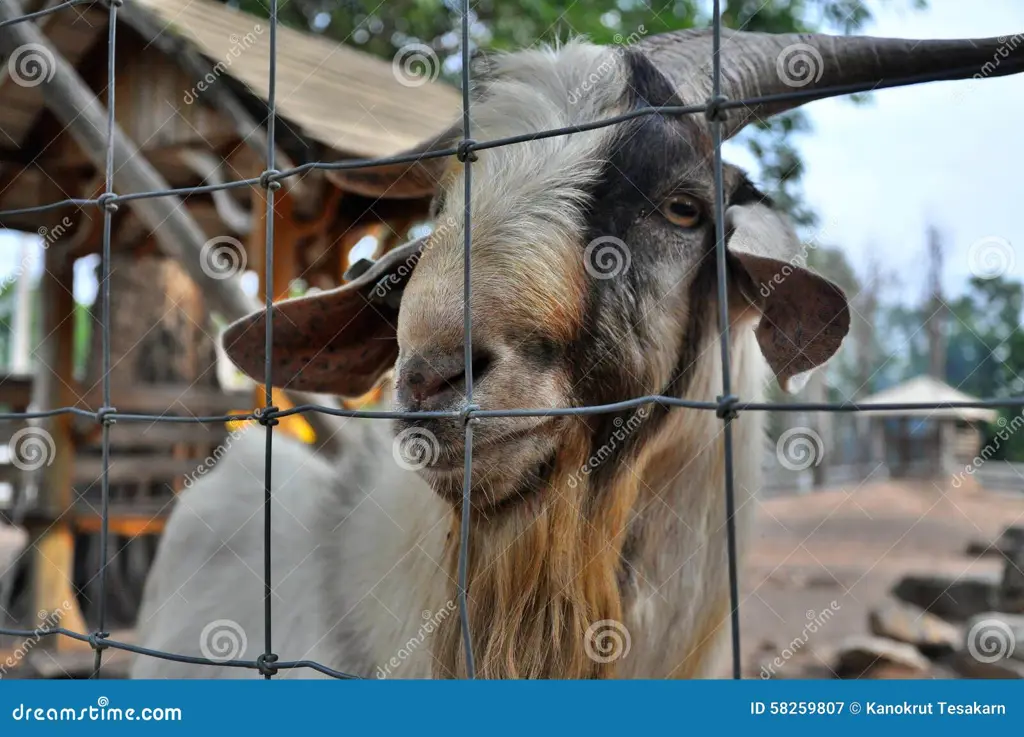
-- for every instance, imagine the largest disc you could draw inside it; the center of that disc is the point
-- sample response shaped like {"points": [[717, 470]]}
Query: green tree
{"points": [[985, 349], [384, 28]]}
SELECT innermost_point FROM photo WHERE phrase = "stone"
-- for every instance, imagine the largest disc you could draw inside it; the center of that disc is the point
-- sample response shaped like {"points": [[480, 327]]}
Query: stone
{"points": [[1011, 589], [1011, 540], [907, 623], [868, 656], [995, 636], [955, 598], [968, 667]]}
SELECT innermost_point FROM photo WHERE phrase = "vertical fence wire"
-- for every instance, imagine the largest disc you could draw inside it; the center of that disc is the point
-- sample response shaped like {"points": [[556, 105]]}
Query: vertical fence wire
{"points": [[108, 215], [726, 407], [466, 155], [268, 657], [715, 115]]}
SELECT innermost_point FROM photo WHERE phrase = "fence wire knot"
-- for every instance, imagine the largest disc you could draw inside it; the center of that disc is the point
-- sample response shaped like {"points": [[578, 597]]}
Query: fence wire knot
{"points": [[105, 415], [265, 664], [97, 640], [466, 414], [108, 201], [726, 409], [266, 416], [714, 110], [268, 179], [465, 150]]}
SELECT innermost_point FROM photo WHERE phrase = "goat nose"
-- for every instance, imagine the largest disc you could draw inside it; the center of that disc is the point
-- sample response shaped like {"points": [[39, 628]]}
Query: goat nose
{"points": [[431, 382]]}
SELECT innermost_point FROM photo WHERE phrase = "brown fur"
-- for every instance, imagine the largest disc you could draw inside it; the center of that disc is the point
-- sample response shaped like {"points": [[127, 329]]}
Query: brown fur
{"points": [[538, 577]]}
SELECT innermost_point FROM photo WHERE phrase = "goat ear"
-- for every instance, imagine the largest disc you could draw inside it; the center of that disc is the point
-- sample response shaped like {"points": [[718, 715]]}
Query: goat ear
{"points": [[336, 342], [408, 180], [804, 316]]}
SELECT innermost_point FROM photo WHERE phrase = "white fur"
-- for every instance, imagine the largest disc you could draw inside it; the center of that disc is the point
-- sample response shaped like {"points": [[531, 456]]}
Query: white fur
{"points": [[356, 567]]}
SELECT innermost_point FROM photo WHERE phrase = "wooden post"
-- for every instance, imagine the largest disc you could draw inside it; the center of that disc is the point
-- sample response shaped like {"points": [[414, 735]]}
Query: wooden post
{"points": [[51, 546]]}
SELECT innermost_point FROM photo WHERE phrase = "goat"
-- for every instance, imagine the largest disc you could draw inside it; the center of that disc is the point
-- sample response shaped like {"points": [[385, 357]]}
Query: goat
{"points": [[596, 542]]}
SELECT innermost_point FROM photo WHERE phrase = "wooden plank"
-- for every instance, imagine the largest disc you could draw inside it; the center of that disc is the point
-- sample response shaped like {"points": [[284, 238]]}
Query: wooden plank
{"points": [[127, 524], [129, 469], [173, 399], [136, 435]]}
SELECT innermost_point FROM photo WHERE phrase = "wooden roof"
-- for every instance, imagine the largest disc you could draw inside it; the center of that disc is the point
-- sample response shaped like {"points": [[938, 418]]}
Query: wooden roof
{"points": [[343, 98]]}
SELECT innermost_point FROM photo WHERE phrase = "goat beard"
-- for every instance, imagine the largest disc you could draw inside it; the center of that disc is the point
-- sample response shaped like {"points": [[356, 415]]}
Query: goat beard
{"points": [[538, 580]]}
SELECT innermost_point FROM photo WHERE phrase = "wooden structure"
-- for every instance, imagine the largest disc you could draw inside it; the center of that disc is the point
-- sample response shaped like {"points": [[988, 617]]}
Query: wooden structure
{"points": [[926, 442], [190, 103]]}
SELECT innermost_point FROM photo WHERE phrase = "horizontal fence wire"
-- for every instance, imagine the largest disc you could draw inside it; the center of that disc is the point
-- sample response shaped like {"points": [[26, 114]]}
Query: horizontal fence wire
{"points": [[726, 407]]}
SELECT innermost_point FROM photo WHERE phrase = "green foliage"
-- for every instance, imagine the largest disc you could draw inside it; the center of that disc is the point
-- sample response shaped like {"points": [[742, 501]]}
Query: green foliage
{"points": [[985, 347], [383, 28]]}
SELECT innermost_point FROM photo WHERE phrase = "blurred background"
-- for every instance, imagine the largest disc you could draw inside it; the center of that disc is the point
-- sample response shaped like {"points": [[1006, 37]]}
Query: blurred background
{"points": [[889, 544]]}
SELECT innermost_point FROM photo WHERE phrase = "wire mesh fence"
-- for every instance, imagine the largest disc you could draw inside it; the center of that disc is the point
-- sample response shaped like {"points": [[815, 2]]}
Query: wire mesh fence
{"points": [[727, 406]]}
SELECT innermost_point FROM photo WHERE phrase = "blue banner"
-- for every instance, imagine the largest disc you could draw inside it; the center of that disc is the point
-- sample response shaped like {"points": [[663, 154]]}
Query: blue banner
{"points": [[514, 708]]}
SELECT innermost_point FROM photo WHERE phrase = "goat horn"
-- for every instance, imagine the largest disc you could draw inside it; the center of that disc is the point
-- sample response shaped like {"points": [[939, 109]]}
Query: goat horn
{"points": [[761, 64]]}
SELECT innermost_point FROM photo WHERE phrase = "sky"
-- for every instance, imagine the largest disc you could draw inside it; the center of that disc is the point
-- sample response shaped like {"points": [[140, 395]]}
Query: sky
{"points": [[949, 154], [945, 153]]}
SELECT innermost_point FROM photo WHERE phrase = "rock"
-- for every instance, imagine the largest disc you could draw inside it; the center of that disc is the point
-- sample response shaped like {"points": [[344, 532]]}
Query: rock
{"points": [[910, 624], [955, 598], [979, 548], [868, 657], [1011, 590], [995, 636], [968, 667], [1010, 540]]}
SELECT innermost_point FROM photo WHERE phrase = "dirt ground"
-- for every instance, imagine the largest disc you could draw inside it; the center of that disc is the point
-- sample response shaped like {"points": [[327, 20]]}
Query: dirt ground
{"points": [[848, 546], [851, 546]]}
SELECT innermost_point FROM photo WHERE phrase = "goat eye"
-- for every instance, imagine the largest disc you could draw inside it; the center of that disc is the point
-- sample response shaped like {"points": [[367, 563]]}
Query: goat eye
{"points": [[682, 211]]}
